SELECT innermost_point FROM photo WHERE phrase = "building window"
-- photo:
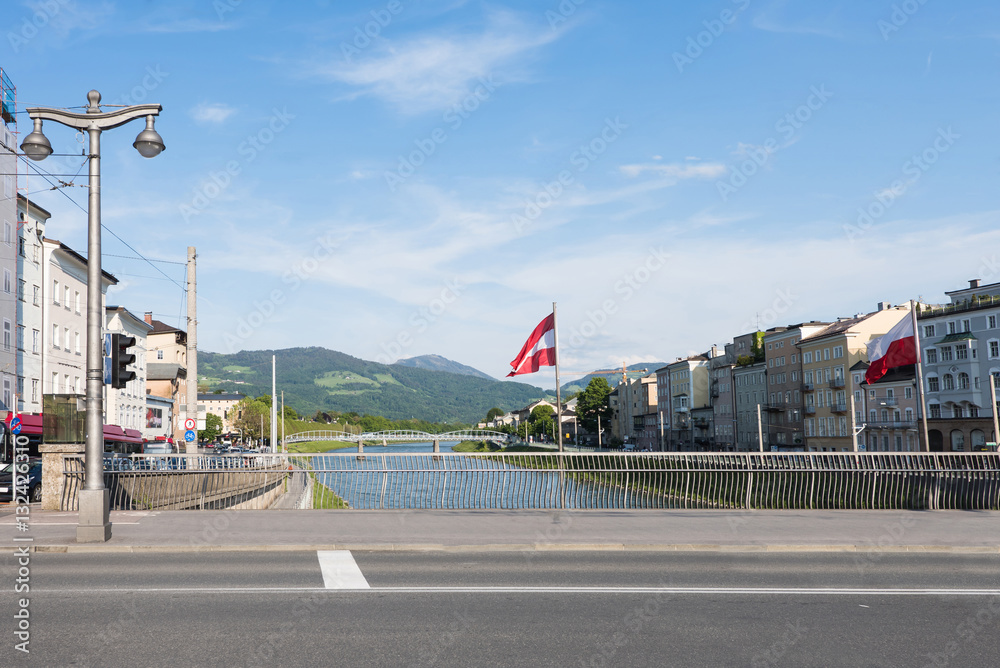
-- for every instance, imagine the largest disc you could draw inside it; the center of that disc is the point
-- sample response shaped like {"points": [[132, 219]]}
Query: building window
{"points": [[66, 297], [36, 294], [928, 331], [76, 337], [932, 384], [66, 339], [34, 389], [961, 352], [951, 328], [957, 440], [55, 339], [966, 325], [7, 281], [935, 411], [20, 338], [7, 333], [77, 301], [931, 356], [908, 392], [159, 354], [946, 354], [36, 337], [838, 352], [55, 292], [948, 382], [963, 381], [993, 322], [8, 238], [994, 349], [20, 289], [20, 246]]}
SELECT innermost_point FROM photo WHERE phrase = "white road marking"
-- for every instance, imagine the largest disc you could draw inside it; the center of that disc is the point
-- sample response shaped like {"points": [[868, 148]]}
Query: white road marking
{"points": [[710, 591], [340, 570]]}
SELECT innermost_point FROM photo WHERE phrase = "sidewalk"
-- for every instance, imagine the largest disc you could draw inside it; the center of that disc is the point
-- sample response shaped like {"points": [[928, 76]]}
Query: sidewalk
{"points": [[481, 530]]}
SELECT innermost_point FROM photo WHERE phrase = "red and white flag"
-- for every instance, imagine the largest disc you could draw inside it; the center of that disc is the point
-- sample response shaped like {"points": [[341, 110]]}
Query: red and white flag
{"points": [[539, 350], [897, 347]]}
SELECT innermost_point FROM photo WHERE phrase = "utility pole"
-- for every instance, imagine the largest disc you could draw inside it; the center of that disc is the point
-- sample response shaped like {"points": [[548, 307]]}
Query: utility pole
{"points": [[760, 430], [192, 348], [282, 417], [274, 406]]}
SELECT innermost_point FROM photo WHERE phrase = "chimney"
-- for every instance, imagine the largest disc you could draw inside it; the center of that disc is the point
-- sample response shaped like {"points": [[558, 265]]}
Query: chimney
{"points": [[884, 306], [974, 283], [149, 317]]}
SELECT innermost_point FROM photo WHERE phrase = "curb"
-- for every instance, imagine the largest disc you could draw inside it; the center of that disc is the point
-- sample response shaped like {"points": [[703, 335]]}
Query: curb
{"points": [[511, 547]]}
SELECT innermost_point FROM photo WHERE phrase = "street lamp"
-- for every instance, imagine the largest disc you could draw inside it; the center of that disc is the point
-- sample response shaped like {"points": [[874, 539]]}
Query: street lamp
{"points": [[94, 520]]}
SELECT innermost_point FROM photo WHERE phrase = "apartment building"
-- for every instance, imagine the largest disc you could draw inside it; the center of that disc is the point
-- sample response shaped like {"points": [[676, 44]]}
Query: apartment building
{"points": [[688, 387], [723, 399], [30, 290], [887, 411], [221, 404], [9, 375], [784, 383], [827, 355], [960, 346], [64, 318]]}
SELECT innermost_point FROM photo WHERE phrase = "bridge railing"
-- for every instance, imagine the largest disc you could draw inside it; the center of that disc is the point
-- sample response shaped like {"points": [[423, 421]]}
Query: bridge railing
{"points": [[844, 481], [659, 480], [396, 435], [182, 481]]}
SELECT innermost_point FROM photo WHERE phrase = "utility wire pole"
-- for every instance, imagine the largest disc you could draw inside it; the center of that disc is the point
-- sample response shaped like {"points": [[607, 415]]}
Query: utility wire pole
{"points": [[192, 349]]}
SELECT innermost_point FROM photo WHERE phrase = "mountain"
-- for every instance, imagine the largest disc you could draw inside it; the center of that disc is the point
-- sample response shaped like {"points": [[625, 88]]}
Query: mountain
{"points": [[634, 371], [320, 379], [438, 363]]}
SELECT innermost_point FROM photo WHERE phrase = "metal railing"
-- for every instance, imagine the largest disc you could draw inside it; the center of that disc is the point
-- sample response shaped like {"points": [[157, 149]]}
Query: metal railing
{"points": [[847, 481], [181, 481]]}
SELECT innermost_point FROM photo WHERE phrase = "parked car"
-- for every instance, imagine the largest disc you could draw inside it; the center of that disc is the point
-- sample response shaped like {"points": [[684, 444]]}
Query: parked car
{"points": [[34, 480]]}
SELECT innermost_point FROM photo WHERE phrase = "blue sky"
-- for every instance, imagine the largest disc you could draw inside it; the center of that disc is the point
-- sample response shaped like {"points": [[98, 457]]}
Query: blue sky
{"points": [[670, 173]]}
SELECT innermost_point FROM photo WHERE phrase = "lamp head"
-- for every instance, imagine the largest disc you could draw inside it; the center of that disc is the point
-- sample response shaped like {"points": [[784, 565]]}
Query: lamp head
{"points": [[148, 142], [36, 145]]}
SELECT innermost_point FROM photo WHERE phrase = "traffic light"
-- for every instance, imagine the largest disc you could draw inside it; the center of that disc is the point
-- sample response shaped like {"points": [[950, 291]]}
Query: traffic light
{"points": [[120, 359]]}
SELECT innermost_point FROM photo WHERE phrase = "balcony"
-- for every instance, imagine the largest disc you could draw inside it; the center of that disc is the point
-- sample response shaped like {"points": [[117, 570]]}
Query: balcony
{"points": [[892, 424], [838, 408], [681, 409], [837, 382], [810, 410], [808, 387], [887, 401]]}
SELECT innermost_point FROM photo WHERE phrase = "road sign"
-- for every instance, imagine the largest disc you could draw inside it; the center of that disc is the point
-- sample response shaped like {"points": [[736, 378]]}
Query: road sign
{"points": [[189, 424], [15, 426], [189, 436]]}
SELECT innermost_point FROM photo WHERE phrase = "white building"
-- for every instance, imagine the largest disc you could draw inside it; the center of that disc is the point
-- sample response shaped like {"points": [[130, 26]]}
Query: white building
{"points": [[30, 287], [64, 326], [126, 407], [8, 265]]}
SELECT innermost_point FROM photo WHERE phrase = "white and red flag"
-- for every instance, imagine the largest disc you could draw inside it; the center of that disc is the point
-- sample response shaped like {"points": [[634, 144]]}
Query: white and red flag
{"points": [[897, 347], [539, 350]]}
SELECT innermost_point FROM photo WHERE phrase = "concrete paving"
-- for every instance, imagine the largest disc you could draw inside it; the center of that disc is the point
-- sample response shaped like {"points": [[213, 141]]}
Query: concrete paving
{"points": [[481, 530]]}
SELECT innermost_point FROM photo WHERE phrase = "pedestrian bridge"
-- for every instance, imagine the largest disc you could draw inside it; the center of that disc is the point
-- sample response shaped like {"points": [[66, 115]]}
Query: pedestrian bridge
{"points": [[397, 436]]}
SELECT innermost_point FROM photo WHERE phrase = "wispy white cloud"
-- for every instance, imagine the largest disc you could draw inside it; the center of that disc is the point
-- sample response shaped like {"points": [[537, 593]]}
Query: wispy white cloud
{"points": [[186, 26], [215, 112], [432, 72], [779, 18]]}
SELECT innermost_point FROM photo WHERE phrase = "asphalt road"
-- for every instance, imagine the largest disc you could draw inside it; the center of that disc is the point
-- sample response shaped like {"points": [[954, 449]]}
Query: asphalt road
{"points": [[507, 609]]}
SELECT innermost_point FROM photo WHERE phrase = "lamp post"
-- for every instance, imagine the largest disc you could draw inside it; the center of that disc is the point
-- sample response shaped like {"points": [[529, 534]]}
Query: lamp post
{"points": [[94, 519]]}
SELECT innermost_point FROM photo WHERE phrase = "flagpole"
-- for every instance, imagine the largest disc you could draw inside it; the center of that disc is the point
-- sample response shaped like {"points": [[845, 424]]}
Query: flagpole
{"points": [[920, 375], [555, 338]]}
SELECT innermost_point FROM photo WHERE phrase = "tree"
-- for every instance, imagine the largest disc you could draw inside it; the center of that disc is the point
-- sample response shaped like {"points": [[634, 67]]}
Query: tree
{"points": [[493, 414], [213, 427], [290, 413], [593, 402], [248, 413], [540, 421]]}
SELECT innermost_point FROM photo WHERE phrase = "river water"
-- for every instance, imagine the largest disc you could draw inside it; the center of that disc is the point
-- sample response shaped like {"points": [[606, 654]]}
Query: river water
{"points": [[407, 476]]}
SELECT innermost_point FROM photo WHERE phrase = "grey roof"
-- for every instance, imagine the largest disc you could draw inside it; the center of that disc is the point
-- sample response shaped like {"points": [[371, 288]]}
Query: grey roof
{"points": [[164, 371]]}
